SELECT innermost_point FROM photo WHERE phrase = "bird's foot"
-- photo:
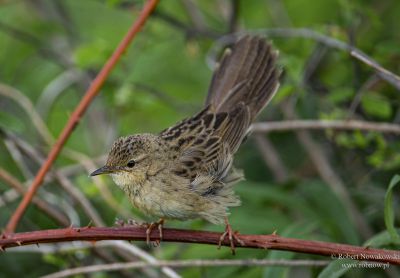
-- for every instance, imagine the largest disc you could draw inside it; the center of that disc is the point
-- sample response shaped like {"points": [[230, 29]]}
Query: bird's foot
{"points": [[150, 226], [232, 236], [159, 224]]}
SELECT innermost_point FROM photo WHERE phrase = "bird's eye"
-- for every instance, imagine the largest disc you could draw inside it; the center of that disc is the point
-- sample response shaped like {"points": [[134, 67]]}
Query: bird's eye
{"points": [[131, 163]]}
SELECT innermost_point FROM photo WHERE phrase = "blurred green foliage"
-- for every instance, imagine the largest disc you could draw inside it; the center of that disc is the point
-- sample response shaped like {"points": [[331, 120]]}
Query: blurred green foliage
{"points": [[164, 77]]}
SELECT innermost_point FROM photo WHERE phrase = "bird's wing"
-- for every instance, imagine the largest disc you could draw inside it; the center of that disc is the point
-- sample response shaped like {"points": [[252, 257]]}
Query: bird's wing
{"points": [[242, 85], [205, 142]]}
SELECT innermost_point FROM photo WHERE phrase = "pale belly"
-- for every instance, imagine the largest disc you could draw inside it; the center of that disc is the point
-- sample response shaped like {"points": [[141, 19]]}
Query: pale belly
{"points": [[164, 201], [173, 198]]}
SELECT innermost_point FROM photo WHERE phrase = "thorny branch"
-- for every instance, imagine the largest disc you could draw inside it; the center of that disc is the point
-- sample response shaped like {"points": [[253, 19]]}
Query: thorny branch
{"points": [[79, 111], [273, 241]]}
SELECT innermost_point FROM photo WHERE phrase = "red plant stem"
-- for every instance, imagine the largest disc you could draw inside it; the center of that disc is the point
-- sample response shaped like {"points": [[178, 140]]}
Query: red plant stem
{"points": [[276, 242], [78, 112]]}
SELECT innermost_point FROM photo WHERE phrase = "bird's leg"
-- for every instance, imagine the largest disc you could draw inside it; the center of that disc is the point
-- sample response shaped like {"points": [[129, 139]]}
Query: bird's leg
{"points": [[133, 223], [232, 236], [159, 224]]}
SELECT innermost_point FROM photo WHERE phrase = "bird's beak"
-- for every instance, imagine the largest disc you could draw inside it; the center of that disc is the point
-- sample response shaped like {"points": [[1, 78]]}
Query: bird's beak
{"points": [[102, 170]]}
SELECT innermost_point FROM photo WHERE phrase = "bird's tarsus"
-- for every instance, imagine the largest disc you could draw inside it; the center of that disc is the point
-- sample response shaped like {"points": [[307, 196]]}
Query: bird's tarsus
{"points": [[159, 224], [232, 236], [150, 226]]}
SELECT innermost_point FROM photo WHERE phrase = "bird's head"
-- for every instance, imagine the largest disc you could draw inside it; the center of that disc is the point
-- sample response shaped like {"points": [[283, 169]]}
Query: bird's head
{"points": [[130, 159]]}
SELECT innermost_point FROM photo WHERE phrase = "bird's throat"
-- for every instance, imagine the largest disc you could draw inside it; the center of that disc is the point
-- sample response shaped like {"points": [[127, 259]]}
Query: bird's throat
{"points": [[126, 180]]}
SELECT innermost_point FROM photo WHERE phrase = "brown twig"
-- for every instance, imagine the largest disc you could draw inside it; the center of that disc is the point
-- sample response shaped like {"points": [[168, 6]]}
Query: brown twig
{"points": [[233, 16], [79, 111], [383, 73], [325, 124], [275, 242], [368, 84], [271, 158], [194, 14]]}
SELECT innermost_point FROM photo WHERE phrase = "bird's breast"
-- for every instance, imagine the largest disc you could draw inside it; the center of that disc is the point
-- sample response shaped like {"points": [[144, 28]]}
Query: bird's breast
{"points": [[148, 197], [163, 196]]}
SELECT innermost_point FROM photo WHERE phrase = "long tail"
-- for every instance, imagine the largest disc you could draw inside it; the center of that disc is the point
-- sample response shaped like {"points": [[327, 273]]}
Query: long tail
{"points": [[244, 82], [247, 74]]}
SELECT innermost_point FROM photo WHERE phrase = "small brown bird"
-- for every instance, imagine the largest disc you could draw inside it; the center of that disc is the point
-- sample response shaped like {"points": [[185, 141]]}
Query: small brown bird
{"points": [[186, 172]]}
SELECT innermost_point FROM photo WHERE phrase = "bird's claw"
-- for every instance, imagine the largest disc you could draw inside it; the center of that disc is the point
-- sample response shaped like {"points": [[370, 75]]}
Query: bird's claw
{"points": [[232, 236], [150, 228]]}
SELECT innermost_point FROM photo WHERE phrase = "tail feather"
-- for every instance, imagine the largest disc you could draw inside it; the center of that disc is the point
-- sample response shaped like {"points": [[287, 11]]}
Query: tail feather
{"points": [[231, 66], [247, 74]]}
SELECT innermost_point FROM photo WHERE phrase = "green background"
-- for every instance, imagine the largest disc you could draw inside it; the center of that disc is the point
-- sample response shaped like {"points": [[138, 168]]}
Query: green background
{"points": [[51, 50]]}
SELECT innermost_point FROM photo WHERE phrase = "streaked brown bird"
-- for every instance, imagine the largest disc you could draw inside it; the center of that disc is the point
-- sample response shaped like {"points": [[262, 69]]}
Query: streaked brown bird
{"points": [[185, 171]]}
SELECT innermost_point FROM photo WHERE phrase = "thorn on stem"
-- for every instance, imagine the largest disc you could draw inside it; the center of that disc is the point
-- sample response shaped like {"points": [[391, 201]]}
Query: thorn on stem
{"points": [[89, 225], [119, 222], [2, 248], [19, 242], [4, 234]]}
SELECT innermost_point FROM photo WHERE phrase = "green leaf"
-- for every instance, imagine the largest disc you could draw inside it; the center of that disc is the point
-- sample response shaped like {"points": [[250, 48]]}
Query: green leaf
{"points": [[336, 268], [10, 122], [381, 239], [92, 54], [329, 211], [341, 95], [54, 260], [290, 231], [360, 140], [389, 213], [283, 93], [376, 106], [278, 271]]}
